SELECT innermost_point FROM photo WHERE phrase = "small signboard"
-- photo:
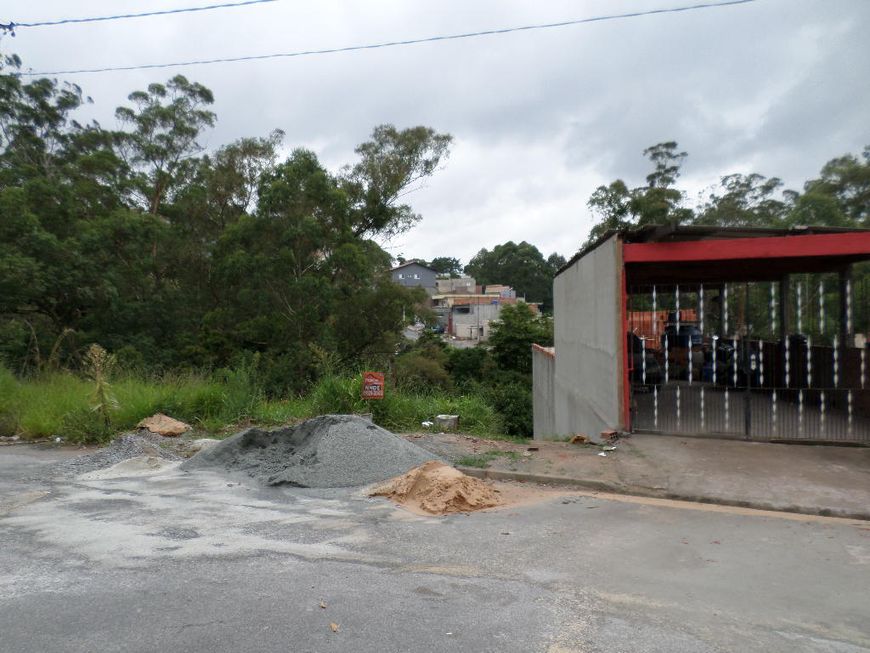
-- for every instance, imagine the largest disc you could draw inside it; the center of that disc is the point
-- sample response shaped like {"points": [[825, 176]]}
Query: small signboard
{"points": [[373, 385]]}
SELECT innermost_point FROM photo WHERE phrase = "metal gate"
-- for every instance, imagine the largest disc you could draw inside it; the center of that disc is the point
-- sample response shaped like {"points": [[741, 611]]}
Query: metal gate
{"points": [[759, 360]]}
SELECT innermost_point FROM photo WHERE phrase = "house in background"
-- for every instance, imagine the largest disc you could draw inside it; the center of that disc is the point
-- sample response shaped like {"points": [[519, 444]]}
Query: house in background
{"points": [[461, 285], [471, 316], [500, 290], [415, 274], [465, 310]]}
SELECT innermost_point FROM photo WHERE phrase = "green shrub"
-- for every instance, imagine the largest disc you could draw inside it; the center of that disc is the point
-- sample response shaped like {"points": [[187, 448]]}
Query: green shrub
{"points": [[467, 365], [337, 394], [513, 402], [419, 373], [85, 425]]}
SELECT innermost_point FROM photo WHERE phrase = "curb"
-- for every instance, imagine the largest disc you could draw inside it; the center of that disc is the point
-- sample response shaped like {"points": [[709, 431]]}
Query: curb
{"points": [[603, 486]]}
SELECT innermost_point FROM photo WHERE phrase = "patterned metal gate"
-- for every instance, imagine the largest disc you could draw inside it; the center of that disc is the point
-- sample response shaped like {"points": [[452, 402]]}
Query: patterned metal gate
{"points": [[759, 360]]}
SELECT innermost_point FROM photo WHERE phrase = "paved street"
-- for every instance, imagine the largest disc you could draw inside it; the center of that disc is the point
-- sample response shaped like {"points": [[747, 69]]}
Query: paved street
{"points": [[182, 562]]}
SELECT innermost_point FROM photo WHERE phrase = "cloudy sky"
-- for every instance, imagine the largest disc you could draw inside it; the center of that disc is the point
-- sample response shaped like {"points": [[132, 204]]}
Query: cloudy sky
{"points": [[540, 118]]}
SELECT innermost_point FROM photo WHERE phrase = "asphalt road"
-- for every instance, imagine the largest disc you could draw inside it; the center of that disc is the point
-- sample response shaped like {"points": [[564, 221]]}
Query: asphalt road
{"points": [[186, 562]]}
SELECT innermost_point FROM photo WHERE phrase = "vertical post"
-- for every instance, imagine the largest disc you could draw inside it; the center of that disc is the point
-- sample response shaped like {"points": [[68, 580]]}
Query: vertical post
{"points": [[845, 296], [626, 381], [773, 382], [821, 311], [748, 366], [784, 323], [655, 330], [784, 307], [800, 326]]}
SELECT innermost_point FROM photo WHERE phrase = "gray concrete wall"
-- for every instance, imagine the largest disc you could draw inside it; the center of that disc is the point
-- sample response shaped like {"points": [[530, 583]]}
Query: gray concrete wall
{"points": [[543, 396], [588, 336], [480, 316], [460, 285]]}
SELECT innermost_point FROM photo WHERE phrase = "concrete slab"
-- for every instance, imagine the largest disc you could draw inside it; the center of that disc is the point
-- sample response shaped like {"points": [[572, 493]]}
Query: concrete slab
{"points": [[819, 480]]}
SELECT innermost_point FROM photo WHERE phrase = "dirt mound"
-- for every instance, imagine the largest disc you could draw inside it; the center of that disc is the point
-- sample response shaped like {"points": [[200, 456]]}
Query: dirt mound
{"points": [[164, 425], [438, 489], [327, 451]]}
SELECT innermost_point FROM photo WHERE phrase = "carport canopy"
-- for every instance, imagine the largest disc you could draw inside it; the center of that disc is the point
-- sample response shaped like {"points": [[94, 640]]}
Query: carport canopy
{"points": [[701, 254]]}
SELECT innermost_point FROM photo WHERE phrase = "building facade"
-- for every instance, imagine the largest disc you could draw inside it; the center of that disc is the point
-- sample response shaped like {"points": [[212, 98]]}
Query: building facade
{"points": [[415, 274]]}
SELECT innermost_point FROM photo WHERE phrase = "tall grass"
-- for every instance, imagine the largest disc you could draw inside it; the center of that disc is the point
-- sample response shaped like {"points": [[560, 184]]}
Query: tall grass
{"points": [[38, 409], [403, 410], [60, 403]]}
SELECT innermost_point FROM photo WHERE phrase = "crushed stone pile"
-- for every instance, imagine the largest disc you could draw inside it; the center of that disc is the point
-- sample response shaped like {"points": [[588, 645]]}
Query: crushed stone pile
{"points": [[323, 452], [130, 468], [438, 489], [129, 445]]}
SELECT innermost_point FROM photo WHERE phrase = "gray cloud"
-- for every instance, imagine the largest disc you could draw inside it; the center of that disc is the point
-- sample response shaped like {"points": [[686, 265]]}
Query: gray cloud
{"points": [[541, 118]]}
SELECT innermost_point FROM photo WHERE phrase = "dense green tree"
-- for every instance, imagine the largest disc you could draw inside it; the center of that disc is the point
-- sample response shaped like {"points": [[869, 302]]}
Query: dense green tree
{"points": [[164, 127], [514, 334], [839, 197], [744, 201], [469, 365], [556, 261], [447, 266], [519, 265], [390, 165], [659, 202], [297, 274], [145, 243]]}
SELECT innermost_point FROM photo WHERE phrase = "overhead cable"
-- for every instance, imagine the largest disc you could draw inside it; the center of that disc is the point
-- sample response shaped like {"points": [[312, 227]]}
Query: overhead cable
{"points": [[389, 44], [163, 12]]}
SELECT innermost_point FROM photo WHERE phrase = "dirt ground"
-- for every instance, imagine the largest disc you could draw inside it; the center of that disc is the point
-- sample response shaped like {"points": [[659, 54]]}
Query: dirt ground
{"points": [[818, 480], [532, 456]]}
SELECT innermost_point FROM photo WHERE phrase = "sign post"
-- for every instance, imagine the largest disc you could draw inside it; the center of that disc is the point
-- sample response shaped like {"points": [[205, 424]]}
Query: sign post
{"points": [[373, 385]]}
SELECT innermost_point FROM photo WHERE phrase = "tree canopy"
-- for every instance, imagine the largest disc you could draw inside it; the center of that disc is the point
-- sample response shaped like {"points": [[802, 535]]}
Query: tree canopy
{"points": [[170, 255], [840, 197], [446, 265], [521, 266]]}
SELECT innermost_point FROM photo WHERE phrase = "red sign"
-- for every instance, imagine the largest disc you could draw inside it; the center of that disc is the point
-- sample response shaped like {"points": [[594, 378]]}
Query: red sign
{"points": [[373, 385]]}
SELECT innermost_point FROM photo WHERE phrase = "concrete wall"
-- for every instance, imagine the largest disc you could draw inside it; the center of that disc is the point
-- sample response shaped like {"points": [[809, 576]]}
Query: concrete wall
{"points": [[479, 317], [588, 338], [543, 391], [461, 285]]}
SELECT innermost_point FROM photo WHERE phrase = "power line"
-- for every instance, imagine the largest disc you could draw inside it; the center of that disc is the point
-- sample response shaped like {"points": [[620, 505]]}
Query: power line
{"points": [[389, 44], [97, 19]]}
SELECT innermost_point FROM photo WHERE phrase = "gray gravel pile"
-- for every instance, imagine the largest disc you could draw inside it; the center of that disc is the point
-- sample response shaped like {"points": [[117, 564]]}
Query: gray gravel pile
{"points": [[323, 452], [129, 445]]}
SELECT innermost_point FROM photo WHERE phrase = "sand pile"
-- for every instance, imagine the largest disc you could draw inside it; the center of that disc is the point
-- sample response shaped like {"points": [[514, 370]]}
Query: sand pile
{"points": [[327, 451], [438, 489]]}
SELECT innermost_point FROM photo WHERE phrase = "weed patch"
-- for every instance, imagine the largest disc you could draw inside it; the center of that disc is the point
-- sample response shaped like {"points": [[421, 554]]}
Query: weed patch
{"points": [[62, 403]]}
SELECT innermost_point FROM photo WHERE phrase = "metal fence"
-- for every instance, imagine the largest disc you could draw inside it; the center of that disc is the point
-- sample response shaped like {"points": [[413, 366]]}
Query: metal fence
{"points": [[744, 360]]}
